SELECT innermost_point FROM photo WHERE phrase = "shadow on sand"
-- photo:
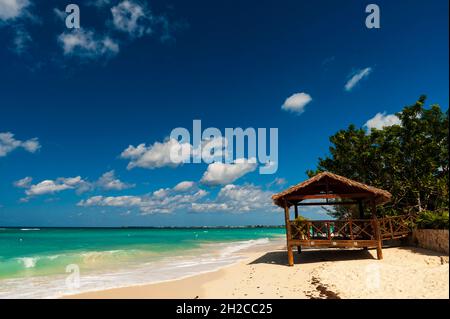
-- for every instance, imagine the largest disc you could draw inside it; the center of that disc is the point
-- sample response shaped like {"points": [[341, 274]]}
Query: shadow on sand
{"points": [[312, 256], [423, 251]]}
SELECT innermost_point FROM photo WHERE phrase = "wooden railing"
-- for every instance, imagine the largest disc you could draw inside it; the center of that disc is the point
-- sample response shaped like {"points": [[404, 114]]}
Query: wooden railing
{"points": [[352, 229], [396, 227]]}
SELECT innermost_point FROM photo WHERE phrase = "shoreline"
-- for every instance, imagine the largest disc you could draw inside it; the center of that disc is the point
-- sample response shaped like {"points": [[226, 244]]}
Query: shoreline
{"points": [[159, 289], [241, 256], [325, 274], [136, 262]]}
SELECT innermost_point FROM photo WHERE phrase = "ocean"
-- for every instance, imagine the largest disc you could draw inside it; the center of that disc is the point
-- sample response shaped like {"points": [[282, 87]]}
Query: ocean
{"points": [[53, 262]]}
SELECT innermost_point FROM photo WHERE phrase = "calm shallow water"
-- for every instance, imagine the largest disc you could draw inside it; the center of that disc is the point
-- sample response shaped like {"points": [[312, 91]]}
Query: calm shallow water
{"points": [[33, 262]]}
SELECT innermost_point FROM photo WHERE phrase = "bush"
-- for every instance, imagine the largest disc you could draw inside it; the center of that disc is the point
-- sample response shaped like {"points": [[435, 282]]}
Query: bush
{"points": [[302, 228], [433, 219]]}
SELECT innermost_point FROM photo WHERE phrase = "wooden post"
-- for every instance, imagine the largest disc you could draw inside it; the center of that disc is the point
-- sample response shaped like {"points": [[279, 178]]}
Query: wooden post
{"points": [[376, 229], [361, 210], [391, 228], [299, 248], [288, 235], [361, 214]]}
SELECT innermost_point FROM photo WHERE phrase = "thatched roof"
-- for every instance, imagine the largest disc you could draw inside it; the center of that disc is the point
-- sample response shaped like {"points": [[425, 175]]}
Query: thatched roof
{"points": [[329, 183]]}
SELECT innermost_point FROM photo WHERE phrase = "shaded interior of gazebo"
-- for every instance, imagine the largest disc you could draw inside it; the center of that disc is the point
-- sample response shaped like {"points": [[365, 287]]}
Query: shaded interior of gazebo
{"points": [[330, 189]]}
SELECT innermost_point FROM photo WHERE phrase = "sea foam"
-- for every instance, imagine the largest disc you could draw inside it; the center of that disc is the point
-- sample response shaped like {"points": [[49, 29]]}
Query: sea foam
{"points": [[209, 257]]}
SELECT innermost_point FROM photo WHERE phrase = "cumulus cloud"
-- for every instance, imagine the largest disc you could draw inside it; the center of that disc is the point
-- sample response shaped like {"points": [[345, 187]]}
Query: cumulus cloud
{"points": [[356, 77], [14, 14], [12, 9], [113, 201], [128, 20], [85, 44], [296, 102], [24, 182], [132, 18], [184, 186], [108, 181], [9, 143], [381, 120], [137, 20], [172, 153], [225, 173], [54, 186], [230, 199], [157, 155], [237, 199], [162, 201]]}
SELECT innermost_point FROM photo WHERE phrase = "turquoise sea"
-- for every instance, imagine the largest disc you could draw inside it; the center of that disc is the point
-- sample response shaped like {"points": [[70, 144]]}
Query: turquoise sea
{"points": [[51, 262]]}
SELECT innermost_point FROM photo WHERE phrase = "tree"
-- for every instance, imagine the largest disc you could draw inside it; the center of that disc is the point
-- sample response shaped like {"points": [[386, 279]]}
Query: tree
{"points": [[410, 160]]}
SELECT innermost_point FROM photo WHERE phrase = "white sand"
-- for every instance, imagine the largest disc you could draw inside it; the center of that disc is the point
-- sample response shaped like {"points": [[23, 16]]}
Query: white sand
{"points": [[403, 273]]}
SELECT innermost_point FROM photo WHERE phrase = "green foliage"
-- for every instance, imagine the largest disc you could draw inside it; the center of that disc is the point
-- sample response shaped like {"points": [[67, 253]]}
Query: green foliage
{"points": [[410, 160], [300, 219], [302, 226], [433, 219]]}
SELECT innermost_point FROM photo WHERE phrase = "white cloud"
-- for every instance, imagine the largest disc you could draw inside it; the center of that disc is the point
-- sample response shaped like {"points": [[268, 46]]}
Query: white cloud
{"points": [[46, 187], [108, 181], [162, 201], [356, 77], [13, 15], [156, 155], [132, 18], [136, 20], [54, 186], [12, 9], [209, 207], [8, 144], [86, 44], [381, 120], [296, 102], [184, 186], [230, 199], [212, 150], [223, 173], [112, 201], [172, 153], [24, 182], [237, 199]]}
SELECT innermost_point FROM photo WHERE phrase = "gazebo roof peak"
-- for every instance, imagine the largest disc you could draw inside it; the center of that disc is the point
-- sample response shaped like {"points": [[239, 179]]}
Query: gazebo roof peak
{"points": [[328, 185]]}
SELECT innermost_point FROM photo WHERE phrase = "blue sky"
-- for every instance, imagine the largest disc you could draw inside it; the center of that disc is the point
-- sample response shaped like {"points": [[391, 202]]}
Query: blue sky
{"points": [[73, 101]]}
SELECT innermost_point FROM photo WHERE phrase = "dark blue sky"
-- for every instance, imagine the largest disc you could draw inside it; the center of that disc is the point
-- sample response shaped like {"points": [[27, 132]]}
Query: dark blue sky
{"points": [[228, 63]]}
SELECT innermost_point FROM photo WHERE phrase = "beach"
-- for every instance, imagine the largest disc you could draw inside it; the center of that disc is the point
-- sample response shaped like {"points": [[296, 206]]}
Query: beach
{"points": [[54, 262], [206, 263], [405, 272]]}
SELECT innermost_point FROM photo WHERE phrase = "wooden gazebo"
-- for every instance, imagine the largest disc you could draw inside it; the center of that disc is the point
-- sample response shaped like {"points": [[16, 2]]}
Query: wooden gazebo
{"points": [[363, 232]]}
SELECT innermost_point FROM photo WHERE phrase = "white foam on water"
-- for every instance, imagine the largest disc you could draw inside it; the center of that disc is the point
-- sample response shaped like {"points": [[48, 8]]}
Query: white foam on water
{"points": [[28, 262], [241, 245], [211, 257]]}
